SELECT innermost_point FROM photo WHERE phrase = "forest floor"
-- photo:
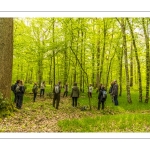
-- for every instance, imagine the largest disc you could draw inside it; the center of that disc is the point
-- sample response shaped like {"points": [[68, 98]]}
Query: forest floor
{"points": [[41, 116]]}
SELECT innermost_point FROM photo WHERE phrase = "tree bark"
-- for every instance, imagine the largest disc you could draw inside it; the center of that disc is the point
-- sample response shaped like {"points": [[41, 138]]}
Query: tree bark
{"points": [[123, 28], [6, 55], [137, 60], [147, 60]]}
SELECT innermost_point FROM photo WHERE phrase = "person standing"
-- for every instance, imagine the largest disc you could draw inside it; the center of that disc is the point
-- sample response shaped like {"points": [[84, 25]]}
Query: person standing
{"points": [[20, 89], [42, 89], [110, 91], [75, 94], [115, 92], [34, 90], [102, 97], [65, 90], [90, 90], [56, 91], [13, 88]]}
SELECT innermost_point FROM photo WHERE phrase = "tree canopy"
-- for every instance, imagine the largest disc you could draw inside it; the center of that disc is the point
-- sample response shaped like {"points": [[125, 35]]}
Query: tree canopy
{"points": [[83, 50]]}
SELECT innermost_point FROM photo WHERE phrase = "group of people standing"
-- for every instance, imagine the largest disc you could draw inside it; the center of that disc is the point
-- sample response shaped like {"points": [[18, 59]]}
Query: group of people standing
{"points": [[19, 89], [57, 91], [102, 93], [35, 90]]}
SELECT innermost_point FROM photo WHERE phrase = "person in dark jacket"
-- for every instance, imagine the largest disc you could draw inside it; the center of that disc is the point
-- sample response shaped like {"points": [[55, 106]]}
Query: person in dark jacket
{"points": [[75, 95], [20, 89], [56, 91], [34, 90], [115, 92], [14, 90], [110, 91], [102, 97]]}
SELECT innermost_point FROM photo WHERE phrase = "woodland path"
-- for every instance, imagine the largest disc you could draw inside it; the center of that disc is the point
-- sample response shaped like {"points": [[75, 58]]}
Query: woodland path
{"points": [[41, 116]]}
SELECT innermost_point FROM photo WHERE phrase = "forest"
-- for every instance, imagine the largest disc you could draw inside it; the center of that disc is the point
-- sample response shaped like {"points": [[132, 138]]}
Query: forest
{"points": [[82, 50]]}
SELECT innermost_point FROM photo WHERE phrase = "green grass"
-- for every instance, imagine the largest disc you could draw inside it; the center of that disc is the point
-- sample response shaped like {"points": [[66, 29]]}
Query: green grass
{"points": [[123, 103], [123, 118], [109, 123]]}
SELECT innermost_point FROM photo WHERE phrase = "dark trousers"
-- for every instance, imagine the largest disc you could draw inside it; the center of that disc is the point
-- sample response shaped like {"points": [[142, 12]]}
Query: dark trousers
{"points": [[90, 94], [15, 97], [42, 92], [74, 101], [56, 100], [112, 97], [34, 96], [116, 100], [65, 93], [19, 101], [99, 103]]}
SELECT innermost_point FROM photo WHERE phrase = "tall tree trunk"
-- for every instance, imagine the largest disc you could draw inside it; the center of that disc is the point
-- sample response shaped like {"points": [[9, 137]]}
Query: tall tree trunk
{"points": [[147, 60], [131, 66], [27, 75], [81, 74], [6, 55], [137, 60], [93, 67], [120, 71], [109, 67], [122, 23], [103, 51], [50, 72], [54, 75], [65, 63], [98, 63], [107, 58], [98, 58], [40, 70]]}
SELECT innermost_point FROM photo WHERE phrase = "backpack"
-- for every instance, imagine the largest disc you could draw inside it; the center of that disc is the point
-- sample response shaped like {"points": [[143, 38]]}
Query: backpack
{"points": [[17, 88], [56, 89], [104, 94], [13, 87], [83, 108]]}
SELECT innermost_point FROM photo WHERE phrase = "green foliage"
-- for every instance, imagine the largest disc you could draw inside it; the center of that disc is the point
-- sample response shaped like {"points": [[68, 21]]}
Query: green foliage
{"points": [[114, 123], [6, 106], [123, 118]]}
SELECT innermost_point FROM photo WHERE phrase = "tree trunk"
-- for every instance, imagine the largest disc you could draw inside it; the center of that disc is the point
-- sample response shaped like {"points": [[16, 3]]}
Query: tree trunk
{"points": [[137, 60], [6, 55], [120, 72], [103, 51], [54, 53], [98, 58], [126, 59], [131, 66], [147, 60]]}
